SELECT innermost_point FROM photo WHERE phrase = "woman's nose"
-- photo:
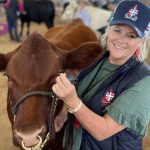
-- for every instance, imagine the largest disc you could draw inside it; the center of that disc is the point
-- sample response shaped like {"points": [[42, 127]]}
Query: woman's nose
{"points": [[122, 38]]}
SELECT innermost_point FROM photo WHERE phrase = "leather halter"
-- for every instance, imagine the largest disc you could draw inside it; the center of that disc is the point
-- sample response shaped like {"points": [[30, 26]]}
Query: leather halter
{"points": [[23, 98], [52, 110], [51, 133]]}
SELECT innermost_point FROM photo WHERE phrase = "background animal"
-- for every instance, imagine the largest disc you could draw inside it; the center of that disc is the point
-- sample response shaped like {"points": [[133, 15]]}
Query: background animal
{"points": [[38, 11], [32, 67]]}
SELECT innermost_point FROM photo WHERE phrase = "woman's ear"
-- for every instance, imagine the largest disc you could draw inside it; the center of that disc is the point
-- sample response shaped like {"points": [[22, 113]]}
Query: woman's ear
{"points": [[137, 52]]}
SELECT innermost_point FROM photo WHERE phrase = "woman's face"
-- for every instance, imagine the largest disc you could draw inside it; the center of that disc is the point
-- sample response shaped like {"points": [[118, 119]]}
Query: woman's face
{"points": [[122, 43]]}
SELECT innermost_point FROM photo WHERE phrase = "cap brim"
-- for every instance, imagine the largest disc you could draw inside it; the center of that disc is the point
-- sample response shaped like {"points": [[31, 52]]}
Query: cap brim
{"points": [[113, 22]]}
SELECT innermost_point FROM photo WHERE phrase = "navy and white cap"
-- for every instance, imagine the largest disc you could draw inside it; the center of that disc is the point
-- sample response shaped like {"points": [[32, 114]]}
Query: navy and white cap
{"points": [[133, 13]]}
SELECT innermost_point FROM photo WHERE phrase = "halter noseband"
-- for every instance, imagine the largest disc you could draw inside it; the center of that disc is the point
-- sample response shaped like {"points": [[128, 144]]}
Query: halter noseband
{"points": [[51, 132]]}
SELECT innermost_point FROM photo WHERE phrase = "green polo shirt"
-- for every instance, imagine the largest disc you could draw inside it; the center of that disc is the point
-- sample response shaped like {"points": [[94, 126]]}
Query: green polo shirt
{"points": [[132, 107]]}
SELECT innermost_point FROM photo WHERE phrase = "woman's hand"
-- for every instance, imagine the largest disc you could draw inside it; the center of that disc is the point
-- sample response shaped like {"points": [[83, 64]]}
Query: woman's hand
{"points": [[66, 91]]}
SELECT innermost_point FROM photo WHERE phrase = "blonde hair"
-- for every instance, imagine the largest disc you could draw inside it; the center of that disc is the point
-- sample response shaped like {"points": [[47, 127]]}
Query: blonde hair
{"points": [[142, 48]]}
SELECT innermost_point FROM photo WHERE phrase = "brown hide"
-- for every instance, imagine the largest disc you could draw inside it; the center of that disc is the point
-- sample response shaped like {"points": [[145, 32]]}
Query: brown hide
{"points": [[70, 35], [33, 66]]}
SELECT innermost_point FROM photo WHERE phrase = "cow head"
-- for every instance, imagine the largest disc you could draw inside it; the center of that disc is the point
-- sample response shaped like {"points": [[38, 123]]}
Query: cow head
{"points": [[33, 66]]}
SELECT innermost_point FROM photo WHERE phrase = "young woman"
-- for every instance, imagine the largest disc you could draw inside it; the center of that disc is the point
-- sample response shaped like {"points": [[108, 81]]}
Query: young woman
{"points": [[112, 99], [12, 6], [21, 7]]}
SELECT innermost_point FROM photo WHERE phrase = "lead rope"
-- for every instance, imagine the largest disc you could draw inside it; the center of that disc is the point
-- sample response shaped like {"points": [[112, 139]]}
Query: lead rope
{"points": [[51, 133], [44, 142], [52, 114]]}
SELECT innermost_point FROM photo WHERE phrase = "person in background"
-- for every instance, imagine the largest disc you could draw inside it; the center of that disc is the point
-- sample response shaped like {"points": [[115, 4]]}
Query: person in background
{"points": [[12, 7], [21, 7], [111, 102], [83, 13], [95, 2], [104, 4]]}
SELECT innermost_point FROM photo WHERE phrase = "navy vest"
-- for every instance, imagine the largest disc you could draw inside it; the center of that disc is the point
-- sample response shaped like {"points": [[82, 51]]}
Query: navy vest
{"points": [[123, 78]]}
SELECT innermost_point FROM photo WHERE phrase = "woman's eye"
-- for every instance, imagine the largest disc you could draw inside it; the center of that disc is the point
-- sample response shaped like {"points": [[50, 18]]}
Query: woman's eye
{"points": [[133, 36], [116, 30]]}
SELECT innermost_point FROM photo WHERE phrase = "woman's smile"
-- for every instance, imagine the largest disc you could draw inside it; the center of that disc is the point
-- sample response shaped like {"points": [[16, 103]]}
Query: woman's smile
{"points": [[117, 46]]}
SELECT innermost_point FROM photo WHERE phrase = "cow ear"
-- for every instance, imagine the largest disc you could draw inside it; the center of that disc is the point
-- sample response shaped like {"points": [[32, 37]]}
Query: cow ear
{"points": [[3, 62], [83, 55], [4, 58], [58, 51]]}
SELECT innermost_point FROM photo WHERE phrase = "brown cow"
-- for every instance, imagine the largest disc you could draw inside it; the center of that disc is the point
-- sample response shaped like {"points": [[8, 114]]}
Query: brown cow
{"points": [[31, 70]]}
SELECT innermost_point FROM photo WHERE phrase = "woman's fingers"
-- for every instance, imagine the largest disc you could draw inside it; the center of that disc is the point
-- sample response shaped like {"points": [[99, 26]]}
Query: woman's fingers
{"points": [[57, 90], [64, 89], [65, 80], [62, 82]]}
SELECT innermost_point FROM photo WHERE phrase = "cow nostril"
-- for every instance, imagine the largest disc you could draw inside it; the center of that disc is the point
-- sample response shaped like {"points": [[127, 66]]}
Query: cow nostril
{"points": [[29, 139], [36, 146], [34, 142]]}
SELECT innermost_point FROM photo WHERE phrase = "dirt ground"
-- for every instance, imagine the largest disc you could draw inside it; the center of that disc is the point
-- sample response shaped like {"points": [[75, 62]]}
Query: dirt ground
{"points": [[5, 130]]}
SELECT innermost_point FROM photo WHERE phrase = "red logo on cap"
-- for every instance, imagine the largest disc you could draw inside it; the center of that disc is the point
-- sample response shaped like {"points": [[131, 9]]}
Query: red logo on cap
{"points": [[132, 13]]}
